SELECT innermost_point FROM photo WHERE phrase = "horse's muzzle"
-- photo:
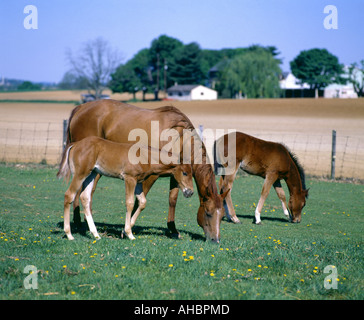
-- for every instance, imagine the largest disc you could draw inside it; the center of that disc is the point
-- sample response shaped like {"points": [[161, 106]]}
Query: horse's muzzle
{"points": [[296, 220], [187, 193], [212, 239]]}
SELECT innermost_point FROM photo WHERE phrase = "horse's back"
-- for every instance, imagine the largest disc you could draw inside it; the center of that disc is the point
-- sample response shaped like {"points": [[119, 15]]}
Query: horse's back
{"points": [[258, 156], [114, 120]]}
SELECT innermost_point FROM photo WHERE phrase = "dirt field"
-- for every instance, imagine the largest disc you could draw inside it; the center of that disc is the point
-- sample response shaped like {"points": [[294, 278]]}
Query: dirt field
{"points": [[305, 125], [65, 95]]}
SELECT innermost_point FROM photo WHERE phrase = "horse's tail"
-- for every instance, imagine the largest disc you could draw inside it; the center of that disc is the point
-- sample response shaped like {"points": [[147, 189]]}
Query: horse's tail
{"points": [[64, 171], [73, 112]]}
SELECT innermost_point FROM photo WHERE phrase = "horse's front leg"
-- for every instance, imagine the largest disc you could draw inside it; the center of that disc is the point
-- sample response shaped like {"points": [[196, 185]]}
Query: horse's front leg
{"points": [[281, 195], [263, 196], [173, 195]]}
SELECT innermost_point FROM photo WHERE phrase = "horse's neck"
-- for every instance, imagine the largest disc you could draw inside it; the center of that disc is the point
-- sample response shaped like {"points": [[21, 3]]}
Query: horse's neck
{"points": [[160, 168], [205, 180], [293, 181]]}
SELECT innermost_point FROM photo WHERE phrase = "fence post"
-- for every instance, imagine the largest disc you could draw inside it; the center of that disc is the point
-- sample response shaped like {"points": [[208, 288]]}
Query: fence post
{"points": [[64, 134], [200, 129], [333, 154]]}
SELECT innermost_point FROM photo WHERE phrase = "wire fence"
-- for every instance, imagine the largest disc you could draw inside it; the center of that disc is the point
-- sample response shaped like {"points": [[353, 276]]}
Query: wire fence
{"points": [[31, 142], [42, 142]]}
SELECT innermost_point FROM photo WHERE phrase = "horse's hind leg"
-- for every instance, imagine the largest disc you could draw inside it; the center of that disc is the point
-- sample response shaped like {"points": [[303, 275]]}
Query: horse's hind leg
{"points": [[76, 209], [96, 180], [130, 184], [69, 197], [226, 183], [142, 200], [86, 202], [76, 203], [173, 195], [281, 195]]}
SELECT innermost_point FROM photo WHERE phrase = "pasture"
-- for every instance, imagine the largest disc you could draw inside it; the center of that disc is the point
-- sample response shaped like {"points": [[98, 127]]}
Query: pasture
{"points": [[275, 260]]}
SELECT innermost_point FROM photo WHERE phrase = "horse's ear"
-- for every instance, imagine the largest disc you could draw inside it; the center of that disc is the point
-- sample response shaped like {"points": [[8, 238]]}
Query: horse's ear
{"points": [[306, 192], [224, 194]]}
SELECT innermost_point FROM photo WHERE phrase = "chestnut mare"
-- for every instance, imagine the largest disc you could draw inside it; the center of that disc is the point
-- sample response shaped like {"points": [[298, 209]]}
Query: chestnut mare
{"points": [[94, 155], [114, 120], [269, 160]]}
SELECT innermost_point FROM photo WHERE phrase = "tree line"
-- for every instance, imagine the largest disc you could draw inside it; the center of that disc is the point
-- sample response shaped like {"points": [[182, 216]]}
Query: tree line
{"points": [[251, 72], [168, 61]]}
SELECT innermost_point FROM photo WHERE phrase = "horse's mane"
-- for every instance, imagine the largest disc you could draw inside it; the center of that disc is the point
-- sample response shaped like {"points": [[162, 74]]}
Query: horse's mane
{"points": [[206, 171], [179, 119], [299, 167]]}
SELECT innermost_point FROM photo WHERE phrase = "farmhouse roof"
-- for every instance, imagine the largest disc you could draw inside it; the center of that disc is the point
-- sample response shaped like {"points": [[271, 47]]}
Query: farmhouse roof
{"points": [[182, 87]]}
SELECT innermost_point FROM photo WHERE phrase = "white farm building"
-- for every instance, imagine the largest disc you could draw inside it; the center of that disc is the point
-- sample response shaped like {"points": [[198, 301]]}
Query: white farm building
{"points": [[187, 92]]}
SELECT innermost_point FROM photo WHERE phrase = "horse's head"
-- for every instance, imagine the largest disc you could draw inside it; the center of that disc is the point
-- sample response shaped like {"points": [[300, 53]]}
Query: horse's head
{"points": [[183, 175], [296, 204], [209, 216]]}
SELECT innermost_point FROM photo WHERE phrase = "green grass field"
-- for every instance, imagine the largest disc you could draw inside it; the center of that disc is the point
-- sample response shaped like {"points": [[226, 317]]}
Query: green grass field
{"points": [[276, 260]]}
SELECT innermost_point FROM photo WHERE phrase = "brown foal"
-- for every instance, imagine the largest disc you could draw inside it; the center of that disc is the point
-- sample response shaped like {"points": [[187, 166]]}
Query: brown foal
{"points": [[93, 155], [269, 160]]}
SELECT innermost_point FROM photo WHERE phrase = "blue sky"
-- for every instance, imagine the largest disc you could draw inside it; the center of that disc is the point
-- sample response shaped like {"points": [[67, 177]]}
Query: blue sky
{"points": [[131, 25]]}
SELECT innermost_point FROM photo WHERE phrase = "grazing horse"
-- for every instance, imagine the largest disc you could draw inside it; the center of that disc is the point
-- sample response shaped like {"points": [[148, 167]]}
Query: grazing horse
{"points": [[114, 120], [269, 160], [94, 155]]}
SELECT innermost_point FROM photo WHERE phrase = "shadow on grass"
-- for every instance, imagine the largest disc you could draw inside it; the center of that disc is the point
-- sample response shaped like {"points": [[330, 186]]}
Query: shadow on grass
{"points": [[114, 231], [262, 217]]}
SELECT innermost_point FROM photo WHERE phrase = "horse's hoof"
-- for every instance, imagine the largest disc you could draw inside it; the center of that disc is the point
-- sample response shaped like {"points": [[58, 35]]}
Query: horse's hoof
{"points": [[174, 235], [258, 223]]}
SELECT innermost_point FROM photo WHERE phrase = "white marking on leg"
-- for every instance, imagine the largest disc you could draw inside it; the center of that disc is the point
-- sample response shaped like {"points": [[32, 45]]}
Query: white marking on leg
{"points": [[257, 216], [286, 213], [86, 199], [92, 226]]}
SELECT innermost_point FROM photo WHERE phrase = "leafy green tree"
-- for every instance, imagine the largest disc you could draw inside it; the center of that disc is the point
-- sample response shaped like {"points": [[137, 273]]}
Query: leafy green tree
{"points": [[186, 65], [29, 86], [212, 58], [254, 74], [125, 79], [318, 68], [356, 77], [162, 52], [140, 63]]}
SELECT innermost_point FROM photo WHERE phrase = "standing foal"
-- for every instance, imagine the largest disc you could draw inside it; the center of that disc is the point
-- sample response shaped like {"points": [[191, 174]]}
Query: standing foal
{"points": [[269, 160], [94, 155]]}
